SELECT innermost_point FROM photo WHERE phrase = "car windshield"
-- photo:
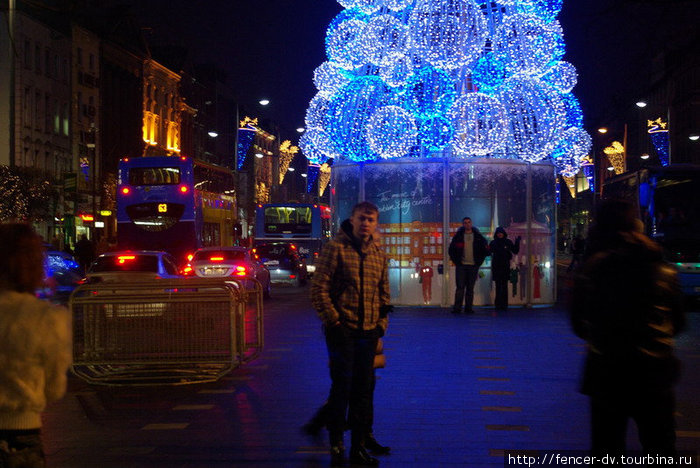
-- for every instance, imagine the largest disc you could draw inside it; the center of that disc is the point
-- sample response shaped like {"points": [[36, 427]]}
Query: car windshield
{"points": [[218, 255], [126, 262], [274, 252]]}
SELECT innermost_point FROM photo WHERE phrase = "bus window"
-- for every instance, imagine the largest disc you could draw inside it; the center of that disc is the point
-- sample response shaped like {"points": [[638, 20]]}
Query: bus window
{"points": [[154, 176]]}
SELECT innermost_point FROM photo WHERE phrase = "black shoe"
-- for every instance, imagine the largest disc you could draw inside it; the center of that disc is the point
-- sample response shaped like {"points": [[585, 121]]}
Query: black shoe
{"points": [[375, 447], [337, 455], [456, 311], [468, 311], [359, 456]]}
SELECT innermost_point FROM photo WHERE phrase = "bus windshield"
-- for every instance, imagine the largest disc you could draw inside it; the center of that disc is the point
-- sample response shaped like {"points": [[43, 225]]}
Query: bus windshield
{"points": [[287, 220], [676, 207], [154, 176]]}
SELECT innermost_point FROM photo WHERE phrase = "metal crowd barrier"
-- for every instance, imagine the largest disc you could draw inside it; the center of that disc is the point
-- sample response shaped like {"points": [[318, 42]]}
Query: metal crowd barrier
{"points": [[165, 331]]}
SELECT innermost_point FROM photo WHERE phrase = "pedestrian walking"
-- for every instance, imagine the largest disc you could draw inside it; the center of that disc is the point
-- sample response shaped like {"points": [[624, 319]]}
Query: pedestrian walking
{"points": [[502, 250], [467, 250], [627, 305], [350, 292], [84, 253], [577, 248], [35, 348]]}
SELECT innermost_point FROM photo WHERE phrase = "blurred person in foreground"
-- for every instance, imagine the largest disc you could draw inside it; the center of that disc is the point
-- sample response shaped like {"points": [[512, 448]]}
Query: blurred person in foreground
{"points": [[350, 292], [35, 348], [627, 305]]}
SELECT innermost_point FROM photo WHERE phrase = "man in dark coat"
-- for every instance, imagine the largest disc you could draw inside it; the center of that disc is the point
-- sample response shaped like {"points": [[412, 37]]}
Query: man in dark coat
{"points": [[502, 250], [627, 305], [467, 250], [84, 252]]}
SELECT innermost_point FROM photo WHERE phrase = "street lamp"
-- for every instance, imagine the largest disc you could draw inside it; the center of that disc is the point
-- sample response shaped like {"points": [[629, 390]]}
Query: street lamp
{"points": [[264, 102]]}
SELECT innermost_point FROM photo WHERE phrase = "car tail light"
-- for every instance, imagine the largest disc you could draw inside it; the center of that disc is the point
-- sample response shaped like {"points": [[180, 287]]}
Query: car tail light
{"points": [[216, 259], [190, 257], [121, 259], [294, 247], [292, 276], [184, 189], [126, 190], [187, 271], [240, 271]]}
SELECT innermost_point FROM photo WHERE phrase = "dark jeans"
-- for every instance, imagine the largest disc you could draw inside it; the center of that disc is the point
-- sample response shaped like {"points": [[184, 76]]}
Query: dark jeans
{"points": [[351, 356], [501, 300], [651, 410], [21, 449], [465, 276]]}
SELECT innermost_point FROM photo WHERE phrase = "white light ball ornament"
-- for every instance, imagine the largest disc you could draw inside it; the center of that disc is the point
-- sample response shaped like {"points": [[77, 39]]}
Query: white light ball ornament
{"points": [[570, 150], [398, 5], [396, 73], [365, 6], [479, 122], [429, 92], [316, 113], [527, 44], [384, 40], [329, 78], [447, 33], [342, 45], [535, 115], [391, 132]]}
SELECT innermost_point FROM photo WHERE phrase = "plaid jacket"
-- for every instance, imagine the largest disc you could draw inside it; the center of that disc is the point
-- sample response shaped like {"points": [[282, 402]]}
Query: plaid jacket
{"points": [[338, 285]]}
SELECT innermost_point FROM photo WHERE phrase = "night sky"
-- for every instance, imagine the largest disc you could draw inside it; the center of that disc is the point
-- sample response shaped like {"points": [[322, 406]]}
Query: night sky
{"points": [[270, 48]]}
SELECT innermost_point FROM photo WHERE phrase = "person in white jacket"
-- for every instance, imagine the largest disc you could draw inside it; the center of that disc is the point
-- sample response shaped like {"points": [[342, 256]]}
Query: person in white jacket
{"points": [[35, 347]]}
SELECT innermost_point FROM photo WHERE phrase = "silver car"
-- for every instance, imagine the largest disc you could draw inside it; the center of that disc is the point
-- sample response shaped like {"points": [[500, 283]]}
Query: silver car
{"points": [[230, 262], [133, 265]]}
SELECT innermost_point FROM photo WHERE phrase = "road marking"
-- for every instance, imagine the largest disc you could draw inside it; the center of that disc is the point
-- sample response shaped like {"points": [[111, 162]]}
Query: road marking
{"points": [[506, 409], [192, 407], [490, 367], [494, 379], [164, 427], [506, 427], [489, 358], [496, 392], [492, 350]]}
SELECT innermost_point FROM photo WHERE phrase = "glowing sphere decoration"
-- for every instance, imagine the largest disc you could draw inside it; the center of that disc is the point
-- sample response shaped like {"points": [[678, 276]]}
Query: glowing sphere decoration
{"points": [[447, 33], [446, 78], [343, 46], [329, 78], [570, 150], [391, 131], [527, 44], [435, 133], [479, 121], [349, 112], [429, 91], [535, 113], [562, 75], [384, 40]]}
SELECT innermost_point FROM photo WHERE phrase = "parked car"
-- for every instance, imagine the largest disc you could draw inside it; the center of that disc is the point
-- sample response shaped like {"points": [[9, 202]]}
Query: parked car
{"points": [[62, 275], [133, 265], [229, 262], [285, 263]]}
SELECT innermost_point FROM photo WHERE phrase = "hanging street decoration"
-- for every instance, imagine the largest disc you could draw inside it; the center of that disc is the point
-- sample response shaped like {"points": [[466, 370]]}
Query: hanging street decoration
{"points": [[448, 79]]}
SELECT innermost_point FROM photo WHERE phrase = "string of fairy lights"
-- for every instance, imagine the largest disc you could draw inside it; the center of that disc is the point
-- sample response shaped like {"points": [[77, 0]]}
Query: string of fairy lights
{"points": [[446, 78]]}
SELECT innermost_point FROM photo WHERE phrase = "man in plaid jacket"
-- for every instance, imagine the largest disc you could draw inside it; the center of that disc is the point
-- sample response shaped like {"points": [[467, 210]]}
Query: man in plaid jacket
{"points": [[350, 292]]}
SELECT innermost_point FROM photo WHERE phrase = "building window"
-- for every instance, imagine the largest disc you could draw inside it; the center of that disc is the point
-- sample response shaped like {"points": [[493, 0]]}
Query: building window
{"points": [[66, 119], [92, 62], [37, 58], [27, 107], [37, 110], [79, 56], [27, 54]]}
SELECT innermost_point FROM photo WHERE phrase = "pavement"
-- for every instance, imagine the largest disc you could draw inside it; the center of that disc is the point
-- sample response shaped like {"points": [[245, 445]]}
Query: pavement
{"points": [[456, 391]]}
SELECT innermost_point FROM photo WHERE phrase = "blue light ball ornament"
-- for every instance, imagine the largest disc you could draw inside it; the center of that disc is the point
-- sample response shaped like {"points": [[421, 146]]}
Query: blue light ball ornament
{"points": [[349, 112], [384, 40], [545, 9], [489, 72], [435, 133], [573, 111], [535, 115], [398, 5], [527, 44], [317, 112], [447, 33], [480, 127], [317, 146], [391, 132], [562, 75], [429, 92]]}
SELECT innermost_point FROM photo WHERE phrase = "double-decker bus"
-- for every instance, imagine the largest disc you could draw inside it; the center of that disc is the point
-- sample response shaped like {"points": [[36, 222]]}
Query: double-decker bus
{"points": [[306, 225], [669, 205], [174, 203]]}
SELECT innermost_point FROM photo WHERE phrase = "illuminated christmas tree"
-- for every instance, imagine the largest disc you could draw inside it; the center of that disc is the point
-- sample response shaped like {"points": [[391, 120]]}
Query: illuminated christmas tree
{"points": [[446, 78]]}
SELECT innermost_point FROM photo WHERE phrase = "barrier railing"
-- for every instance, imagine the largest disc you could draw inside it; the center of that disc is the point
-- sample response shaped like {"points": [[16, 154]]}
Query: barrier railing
{"points": [[166, 331]]}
